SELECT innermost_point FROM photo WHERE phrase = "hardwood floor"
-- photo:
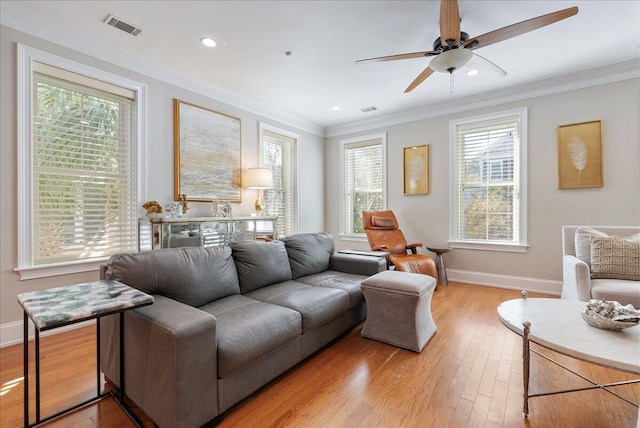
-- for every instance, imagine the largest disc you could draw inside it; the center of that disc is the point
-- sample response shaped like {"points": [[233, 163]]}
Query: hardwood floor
{"points": [[469, 375]]}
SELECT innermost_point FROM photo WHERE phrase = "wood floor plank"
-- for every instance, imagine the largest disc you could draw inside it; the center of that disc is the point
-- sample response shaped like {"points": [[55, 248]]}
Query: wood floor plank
{"points": [[498, 404], [469, 374], [479, 412]]}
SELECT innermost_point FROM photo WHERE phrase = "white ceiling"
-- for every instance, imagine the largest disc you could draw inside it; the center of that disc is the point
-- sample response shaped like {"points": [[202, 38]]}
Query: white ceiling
{"points": [[327, 37]]}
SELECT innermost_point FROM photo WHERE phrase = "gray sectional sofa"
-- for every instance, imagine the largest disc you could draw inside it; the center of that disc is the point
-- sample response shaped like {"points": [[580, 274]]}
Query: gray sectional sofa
{"points": [[227, 320]]}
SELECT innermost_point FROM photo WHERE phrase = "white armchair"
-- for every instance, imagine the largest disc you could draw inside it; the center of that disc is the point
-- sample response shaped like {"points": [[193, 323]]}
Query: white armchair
{"points": [[576, 273]]}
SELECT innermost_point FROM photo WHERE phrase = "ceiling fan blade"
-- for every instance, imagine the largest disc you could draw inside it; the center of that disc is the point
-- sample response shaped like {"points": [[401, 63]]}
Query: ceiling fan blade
{"points": [[449, 22], [418, 80], [481, 63], [519, 28], [398, 57]]}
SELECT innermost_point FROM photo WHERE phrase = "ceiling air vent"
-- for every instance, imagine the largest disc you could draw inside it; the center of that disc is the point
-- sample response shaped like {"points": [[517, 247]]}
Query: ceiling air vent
{"points": [[114, 21], [368, 109]]}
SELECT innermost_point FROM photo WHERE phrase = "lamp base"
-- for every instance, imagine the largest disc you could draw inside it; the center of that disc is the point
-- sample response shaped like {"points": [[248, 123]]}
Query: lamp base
{"points": [[259, 205]]}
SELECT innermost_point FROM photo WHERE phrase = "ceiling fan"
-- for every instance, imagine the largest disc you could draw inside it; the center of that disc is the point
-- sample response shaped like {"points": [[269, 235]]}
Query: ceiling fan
{"points": [[453, 49]]}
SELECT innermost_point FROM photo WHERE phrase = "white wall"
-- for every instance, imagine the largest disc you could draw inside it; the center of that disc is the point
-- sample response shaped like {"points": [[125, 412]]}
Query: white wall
{"points": [[425, 218], [158, 165]]}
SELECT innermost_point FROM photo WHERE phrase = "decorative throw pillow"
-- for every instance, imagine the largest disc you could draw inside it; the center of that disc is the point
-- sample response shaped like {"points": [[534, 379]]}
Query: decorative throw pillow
{"points": [[613, 257], [583, 242]]}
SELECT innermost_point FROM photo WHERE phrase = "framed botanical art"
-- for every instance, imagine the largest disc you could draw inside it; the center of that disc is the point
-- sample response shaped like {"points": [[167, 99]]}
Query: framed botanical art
{"points": [[206, 154], [580, 155], [416, 170]]}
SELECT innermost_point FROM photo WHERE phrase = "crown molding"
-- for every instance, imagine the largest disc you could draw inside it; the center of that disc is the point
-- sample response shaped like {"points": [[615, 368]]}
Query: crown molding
{"points": [[569, 82], [16, 17]]}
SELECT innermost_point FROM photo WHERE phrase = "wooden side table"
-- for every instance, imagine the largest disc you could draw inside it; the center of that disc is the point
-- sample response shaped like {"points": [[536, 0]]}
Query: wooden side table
{"points": [[439, 250], [62, 306]]}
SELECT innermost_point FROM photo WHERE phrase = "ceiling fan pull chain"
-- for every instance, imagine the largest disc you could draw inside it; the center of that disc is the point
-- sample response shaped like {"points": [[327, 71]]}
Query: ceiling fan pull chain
{"points": [[451, 83]]}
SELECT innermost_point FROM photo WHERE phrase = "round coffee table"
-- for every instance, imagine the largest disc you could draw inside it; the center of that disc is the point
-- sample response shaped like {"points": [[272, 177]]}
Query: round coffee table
{"points": [[439, 250]]}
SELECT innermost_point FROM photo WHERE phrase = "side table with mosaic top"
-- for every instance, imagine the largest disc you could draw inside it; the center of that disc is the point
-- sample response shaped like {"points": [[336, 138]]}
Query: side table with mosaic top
{"points": [[62, 306]]}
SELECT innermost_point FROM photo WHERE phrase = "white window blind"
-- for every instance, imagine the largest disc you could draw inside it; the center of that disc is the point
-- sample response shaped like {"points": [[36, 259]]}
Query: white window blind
{"points": [[488, 180], [279, 152], [83, 169], [363, 182]]}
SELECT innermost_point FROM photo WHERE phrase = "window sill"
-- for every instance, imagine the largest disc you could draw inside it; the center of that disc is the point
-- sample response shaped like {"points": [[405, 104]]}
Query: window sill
{"points": [[354, 238], [33, 272], [490, 246]]}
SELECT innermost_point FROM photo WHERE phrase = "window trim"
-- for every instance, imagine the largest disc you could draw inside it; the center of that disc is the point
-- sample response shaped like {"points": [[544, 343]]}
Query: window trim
{"points": [[262, 127], [360, 237], [25, 57], [522, 245]]}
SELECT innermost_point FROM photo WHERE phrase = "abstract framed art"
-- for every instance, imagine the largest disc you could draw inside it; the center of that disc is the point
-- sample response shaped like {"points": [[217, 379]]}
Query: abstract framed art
{"points": [[580, 155], [206, 154], [416, 170]]}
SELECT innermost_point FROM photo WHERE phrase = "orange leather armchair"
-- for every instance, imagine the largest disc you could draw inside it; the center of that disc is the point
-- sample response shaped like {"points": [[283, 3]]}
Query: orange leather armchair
{"points": [[383, 235]]}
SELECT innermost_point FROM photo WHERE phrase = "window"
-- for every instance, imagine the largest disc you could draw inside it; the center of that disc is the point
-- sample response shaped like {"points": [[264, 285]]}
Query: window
{"points": [[489, 188], [363, 180], [78, 166], [280, 153]]}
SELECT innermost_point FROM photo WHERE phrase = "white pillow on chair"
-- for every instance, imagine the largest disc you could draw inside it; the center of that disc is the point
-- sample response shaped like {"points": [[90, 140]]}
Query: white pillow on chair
{"points": [[583, 242]]}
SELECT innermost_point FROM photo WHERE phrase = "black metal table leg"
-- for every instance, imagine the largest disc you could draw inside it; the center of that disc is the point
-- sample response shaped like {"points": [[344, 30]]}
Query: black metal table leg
{"points": [[25, 362], [37, 358]]}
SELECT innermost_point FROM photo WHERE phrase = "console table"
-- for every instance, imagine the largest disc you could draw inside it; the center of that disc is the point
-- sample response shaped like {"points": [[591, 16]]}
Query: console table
{"points": [[156, 233], [62, 306], [557, 324]]}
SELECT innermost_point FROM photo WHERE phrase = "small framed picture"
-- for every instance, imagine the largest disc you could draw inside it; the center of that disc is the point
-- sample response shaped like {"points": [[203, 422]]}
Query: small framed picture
{"points": [[580, 155], [222, 209], [416, 170]]}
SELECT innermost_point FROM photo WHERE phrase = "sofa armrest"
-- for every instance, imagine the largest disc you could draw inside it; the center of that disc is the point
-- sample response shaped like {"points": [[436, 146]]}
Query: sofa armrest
{"points": [[576, 279], [357, 264], [171, 361]]}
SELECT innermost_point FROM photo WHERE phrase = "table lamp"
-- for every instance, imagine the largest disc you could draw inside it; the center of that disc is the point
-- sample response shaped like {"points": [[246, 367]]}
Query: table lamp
{"points": [[259, 179]]}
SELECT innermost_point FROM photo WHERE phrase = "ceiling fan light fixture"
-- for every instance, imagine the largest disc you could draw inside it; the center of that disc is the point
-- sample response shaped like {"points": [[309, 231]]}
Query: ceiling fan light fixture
{"points": [[451, 60]]}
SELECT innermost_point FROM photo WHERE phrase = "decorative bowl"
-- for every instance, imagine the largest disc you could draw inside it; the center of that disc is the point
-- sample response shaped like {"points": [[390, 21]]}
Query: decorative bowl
{"points": [[610, 315]]}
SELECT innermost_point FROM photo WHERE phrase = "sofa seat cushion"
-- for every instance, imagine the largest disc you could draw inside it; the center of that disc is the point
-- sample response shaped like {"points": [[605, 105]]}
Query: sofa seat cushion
{"points": [[620, 290], [317, 305], [248, 330], [342, 281]]}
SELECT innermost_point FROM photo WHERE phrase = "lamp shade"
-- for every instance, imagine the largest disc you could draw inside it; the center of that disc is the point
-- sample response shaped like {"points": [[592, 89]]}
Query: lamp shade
{"points": [[451, 60], [259, 178]]}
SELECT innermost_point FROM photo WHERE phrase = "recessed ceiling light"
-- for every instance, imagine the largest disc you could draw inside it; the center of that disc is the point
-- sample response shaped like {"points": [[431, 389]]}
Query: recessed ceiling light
{"points": [[472, 72], [336, 108], [208, 42]]}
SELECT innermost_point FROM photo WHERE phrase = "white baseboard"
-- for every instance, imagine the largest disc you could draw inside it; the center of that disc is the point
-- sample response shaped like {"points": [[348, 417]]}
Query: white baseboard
{"points": [[11, 332], [544, 286]]}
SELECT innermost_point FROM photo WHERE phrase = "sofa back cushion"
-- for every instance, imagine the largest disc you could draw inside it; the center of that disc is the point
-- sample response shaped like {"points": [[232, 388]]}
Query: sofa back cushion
{"points": [[260, 263], [194, 276], [309, 253]]}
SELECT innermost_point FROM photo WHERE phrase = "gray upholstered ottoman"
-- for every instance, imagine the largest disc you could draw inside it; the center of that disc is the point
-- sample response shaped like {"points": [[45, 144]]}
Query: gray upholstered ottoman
{"points": [[399, 309]]}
